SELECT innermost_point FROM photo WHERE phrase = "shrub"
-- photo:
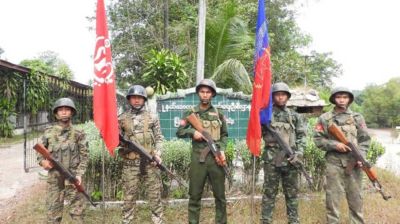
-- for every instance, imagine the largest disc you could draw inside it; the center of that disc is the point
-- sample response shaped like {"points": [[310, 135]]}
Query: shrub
{"points": [[376, 150]]}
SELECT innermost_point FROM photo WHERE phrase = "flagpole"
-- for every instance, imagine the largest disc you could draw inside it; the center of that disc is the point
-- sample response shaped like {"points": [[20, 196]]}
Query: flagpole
{"points": [[252, 189], [103, 207]]}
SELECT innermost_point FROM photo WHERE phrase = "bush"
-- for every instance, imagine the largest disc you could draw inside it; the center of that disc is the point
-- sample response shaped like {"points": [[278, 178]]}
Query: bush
{"points": [[243, 154], [314, 158], [375, 151]]}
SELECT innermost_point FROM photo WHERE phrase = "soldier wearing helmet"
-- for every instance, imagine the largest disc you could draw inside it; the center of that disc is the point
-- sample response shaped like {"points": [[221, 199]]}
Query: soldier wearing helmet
{"points": [[139, 125], [338, 155], [277, 166], [213, 122], [69, 146]]}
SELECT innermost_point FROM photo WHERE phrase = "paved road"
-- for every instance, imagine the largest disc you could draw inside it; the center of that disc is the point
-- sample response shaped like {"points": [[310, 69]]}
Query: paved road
{"points": [[12, 175]]}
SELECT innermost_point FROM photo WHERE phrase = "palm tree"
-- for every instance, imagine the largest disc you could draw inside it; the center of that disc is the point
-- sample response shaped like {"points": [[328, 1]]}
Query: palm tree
{"points": [[228, 43]]}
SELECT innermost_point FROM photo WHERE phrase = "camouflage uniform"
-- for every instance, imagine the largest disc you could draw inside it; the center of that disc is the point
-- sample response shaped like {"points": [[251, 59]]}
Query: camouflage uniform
{"points": [[69, 146], [214, 123], [276, 167], [338, 178], [143, 128]]}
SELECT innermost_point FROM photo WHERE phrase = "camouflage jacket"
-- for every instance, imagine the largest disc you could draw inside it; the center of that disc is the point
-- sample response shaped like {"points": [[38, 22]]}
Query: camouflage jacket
{"points": [[352, 125], [212, 119], [143, 128], [291, 127], [68, 145]]}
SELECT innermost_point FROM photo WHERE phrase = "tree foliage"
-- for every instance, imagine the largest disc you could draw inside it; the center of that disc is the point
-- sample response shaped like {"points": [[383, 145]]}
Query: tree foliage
{"points": [[137, 27], [49, 63], [164, 71], [381, 104]]}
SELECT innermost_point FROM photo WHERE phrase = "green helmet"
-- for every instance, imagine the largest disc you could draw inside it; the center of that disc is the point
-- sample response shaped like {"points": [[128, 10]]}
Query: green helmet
{"points": [[208, 83], [137, 90], [281, 87], [64, 102], [340, 90]]}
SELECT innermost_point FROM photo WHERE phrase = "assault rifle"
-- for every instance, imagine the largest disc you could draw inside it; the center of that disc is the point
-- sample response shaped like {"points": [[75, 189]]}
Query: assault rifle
{"points": [[355, 152], [289, 152], [210, 143], [134, 147], [63, 171]]}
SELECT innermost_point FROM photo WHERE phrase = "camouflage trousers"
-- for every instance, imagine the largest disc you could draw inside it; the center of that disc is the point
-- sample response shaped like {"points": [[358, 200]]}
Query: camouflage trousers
{"points": [[133, 181], [337, 183], [58, 191], [289, 176]]}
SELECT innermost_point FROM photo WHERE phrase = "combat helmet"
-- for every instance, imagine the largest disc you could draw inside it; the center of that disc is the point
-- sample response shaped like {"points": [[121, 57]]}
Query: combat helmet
{"points": [[137, 90], [281, 87], [208, 83], [64, 102], [340, 90]]}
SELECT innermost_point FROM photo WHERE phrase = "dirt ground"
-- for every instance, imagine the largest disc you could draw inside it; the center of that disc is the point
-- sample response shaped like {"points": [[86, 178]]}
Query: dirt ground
{"points": [[15, 184]]}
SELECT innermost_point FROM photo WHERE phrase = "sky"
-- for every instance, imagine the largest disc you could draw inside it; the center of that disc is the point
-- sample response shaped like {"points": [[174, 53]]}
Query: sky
{"points": [[363, 35]]}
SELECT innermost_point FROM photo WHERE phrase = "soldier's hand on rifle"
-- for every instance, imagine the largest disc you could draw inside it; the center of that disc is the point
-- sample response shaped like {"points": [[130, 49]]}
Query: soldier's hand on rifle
{"points": [[197, 136], [295, 158], [221, 159], [46, 164], [359, 164], [158, 159], [340, 147], [79, 178]]}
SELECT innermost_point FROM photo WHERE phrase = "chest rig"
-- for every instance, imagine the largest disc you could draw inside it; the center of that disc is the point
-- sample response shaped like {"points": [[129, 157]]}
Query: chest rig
{"points": [[137, 128], [211, 123], [63, 146], [282, 122], [347, 125]]}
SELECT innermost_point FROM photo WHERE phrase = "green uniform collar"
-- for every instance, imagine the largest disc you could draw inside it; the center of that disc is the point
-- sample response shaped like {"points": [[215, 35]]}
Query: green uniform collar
{"points": [[211, 108]]}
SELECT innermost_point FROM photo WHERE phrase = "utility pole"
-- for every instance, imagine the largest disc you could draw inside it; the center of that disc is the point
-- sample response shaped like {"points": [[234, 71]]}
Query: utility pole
{"points": [[166, 24], [201, 41]]}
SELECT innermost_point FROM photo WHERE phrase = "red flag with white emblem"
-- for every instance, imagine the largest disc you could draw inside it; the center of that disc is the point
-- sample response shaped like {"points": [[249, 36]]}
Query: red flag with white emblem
{"points": [[104, 97]]}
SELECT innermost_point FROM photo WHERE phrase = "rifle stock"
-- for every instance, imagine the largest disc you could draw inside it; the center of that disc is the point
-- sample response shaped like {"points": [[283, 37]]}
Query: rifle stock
{"points": [[355, 152], [288, 150], [63, 171], [134, 147], [196, 124]]}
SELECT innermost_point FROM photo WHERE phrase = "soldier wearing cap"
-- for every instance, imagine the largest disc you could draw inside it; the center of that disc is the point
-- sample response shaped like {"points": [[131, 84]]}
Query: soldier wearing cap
{"points": [[277, 167], [341, 176], [69, 146], [139, 125], [213, 122]]}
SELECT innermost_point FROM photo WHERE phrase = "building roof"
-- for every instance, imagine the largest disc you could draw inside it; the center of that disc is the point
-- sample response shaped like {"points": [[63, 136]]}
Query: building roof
{"points": [[302, 97]]}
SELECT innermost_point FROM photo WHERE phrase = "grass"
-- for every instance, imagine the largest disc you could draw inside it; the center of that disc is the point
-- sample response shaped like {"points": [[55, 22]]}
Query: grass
{"points": [[311, 209], [18, 138]]}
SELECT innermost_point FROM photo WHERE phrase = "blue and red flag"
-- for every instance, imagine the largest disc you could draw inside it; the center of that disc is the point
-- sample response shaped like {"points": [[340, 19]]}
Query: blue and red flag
{"points": [[261, 102]]}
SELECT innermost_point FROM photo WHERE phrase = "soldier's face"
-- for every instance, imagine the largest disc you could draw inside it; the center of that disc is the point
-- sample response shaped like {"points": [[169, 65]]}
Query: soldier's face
{"points": [[64, 113], [136, 101], [205, 94], [280, 98], [342, 99]]}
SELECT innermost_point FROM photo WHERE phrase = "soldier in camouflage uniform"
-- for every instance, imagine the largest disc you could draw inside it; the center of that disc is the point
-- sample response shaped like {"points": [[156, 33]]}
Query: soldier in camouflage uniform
{"points": [[277, 167], [69, 146], [214, 123], [338, 178], [139, 125]]}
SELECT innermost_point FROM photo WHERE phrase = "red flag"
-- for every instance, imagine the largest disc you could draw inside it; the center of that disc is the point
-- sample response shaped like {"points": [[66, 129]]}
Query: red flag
{"points": [[104, 98], [262, 84]]}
